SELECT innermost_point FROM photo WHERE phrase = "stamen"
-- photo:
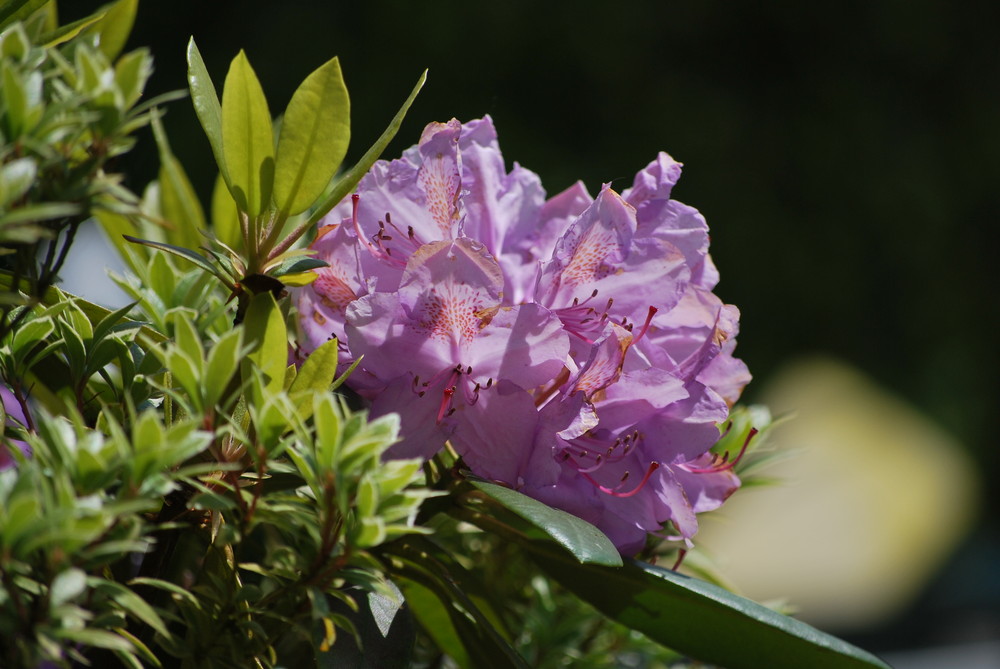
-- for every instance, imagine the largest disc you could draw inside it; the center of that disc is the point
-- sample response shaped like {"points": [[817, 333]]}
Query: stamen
{"points": [[645, 326], [653, 466], [723, 463]]}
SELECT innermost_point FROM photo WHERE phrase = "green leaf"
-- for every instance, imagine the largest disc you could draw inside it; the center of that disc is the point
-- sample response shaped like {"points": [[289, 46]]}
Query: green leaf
{"points": [[268, 338], [115, 27], [131, 603], [178, 201], [295, 265], [584, 541], [223, 361], [433, 616], [430, 566], [17, 10], [225, 216], [347, 182], [16, 177], [206, 104], [198, 259], [247, 138], [315, 376], [702, 620], [67, 32], [313, 141], [67, 586]]}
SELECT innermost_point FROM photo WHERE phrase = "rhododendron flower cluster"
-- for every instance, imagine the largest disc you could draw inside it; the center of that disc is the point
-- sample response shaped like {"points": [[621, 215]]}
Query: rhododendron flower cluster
{"points": [[570, 347]]}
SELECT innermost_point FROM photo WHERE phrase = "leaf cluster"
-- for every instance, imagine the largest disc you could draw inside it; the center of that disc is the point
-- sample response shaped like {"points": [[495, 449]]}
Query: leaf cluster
{"points": [[69, 104]]}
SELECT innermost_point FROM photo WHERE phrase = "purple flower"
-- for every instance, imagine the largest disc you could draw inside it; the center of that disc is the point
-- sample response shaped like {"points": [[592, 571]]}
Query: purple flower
{"points": [[571, 348], [15, 417]]}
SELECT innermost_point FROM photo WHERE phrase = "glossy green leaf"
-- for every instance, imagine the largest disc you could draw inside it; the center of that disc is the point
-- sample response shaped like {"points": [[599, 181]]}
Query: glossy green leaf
{"points": [[296, 265], [702, 620], [178, 201], [206, 104], [268, 338], [348, 181], [584, 541], [247, 138], [314, 136]]}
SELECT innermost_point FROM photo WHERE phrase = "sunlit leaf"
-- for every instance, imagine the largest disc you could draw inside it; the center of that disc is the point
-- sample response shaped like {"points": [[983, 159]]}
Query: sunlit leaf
{"points": [[247, 139], [348, 181], [313, 141]]}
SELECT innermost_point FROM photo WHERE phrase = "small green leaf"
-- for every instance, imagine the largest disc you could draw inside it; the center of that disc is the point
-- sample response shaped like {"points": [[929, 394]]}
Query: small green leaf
{"points": [[313, 141], [223, 362], [198, 259], [115, 27], [348, 181], [267, 335], [315, 376], [206, 104], [295, 266], [584, 541], [16, 177], [247, 138], [67, 586], [702, 620]]}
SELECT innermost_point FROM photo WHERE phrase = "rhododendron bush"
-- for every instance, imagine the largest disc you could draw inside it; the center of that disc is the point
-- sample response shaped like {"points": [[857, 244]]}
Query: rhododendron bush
{"points": [[411, 412]]}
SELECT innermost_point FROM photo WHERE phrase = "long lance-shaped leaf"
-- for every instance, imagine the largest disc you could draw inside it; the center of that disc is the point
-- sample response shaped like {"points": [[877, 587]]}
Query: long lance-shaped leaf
{"points": [[17, 10], [206, 105], [247, 138], [198, 259], [347, 182], [313, 141], [702, 620]]}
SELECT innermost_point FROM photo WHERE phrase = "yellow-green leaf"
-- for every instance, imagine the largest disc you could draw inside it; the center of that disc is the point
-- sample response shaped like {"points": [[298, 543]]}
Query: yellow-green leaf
{"points": [[247, 139], [115, 27], [313, 140], [268, 337], [225, 216]]}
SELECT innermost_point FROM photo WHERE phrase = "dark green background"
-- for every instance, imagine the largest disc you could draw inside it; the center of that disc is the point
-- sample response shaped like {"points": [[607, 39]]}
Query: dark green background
{"points": [[845, 155]]}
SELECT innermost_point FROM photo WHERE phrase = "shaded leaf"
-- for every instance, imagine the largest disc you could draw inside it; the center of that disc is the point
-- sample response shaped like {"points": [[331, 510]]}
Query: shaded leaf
{"points": [[584, 541], [702, 620]]}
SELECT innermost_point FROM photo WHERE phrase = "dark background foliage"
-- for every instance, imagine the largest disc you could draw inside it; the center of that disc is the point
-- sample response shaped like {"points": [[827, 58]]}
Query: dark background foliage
{"points": [[845, 155]]}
